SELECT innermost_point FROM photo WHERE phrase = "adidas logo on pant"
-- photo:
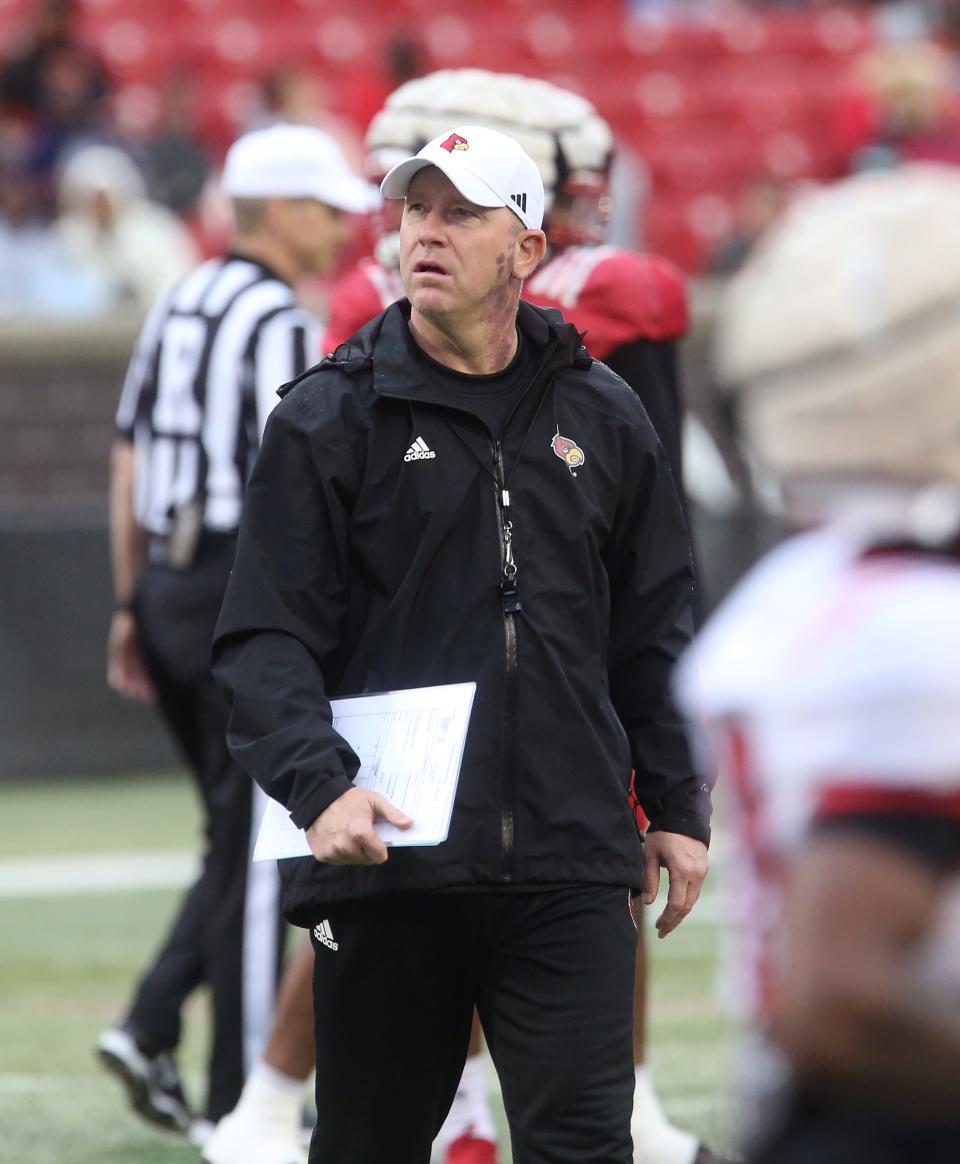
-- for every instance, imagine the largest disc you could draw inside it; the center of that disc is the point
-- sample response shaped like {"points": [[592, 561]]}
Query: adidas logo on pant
{"points": [[324, 935], [420, 451]]}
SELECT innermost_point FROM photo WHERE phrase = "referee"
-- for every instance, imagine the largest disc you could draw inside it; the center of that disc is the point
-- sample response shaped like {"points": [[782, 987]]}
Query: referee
{"points": [[200, 386]]}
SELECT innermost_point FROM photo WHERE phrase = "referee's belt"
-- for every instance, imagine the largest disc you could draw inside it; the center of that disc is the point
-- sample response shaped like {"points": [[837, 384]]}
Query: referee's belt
{"points": [[163, 550]]}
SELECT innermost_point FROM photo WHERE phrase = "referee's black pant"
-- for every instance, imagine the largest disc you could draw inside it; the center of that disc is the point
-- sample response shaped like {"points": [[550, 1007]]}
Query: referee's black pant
{"points": [[228, 933], [395, 983]]}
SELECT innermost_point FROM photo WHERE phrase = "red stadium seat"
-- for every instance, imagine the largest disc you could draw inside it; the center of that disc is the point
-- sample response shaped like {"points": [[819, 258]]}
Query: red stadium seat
{"points": [[687, 230], [229, 44], [261, 11], [837, 31], [698, 158], [665, 231], [762, 95], [224, 106], [646, 99], [98, 11], [451, 40], [524, 9], [677, 43], [843, 31], [343, 39], [135, 49], [16, 17]]}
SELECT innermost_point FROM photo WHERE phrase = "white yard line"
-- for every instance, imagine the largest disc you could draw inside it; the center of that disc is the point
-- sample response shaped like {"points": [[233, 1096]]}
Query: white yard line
{"points": [[96, 873], [127, 872], [13, 1085]]}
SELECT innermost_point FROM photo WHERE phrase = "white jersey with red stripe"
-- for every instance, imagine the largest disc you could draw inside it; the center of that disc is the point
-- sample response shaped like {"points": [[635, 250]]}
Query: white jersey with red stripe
{"points": [[827, 684]]}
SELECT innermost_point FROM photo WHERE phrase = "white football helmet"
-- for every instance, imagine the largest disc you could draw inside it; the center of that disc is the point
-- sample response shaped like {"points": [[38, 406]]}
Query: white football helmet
{"points": [[569, 141], [839, 341]]}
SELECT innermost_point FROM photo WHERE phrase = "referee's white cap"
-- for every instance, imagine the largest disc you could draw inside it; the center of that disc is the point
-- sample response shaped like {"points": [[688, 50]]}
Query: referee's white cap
{"points": [[294, 161]]}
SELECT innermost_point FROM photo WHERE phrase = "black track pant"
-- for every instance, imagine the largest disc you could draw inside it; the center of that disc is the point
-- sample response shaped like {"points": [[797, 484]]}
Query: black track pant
{"points": [[228, 933], [551, 973]]}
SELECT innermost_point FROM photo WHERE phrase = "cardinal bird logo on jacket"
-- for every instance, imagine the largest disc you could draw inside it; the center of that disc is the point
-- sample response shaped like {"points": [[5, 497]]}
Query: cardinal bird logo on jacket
{"points": [[455, 142], [568, 451]]}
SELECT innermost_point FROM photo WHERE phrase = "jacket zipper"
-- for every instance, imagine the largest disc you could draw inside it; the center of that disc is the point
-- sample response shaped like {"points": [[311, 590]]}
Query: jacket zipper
{"points": [[510, 602]]}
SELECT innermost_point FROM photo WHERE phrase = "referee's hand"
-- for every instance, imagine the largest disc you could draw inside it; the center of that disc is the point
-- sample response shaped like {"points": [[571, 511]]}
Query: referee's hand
{"points": [[343, 834], [126, 671]]}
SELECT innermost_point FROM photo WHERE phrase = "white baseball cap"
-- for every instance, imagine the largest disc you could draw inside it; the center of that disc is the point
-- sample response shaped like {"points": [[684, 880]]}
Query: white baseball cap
{"points": [[487, 167], [294, 161]]}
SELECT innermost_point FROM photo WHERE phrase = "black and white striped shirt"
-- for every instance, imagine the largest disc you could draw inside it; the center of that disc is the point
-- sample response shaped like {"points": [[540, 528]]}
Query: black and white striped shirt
{"points": [[201, 384]]}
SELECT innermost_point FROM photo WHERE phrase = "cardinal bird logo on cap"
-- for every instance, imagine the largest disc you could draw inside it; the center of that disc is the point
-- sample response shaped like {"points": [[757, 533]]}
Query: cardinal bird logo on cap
{"points": [[568, 451], [455, 142]]}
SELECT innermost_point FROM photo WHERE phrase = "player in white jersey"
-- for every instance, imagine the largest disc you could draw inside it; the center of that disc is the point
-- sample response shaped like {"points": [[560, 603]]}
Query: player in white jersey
{"points": [[827, 685]]}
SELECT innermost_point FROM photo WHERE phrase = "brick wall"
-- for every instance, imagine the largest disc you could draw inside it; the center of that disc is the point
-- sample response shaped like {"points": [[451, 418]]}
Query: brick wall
{"points": [[59, 387]]}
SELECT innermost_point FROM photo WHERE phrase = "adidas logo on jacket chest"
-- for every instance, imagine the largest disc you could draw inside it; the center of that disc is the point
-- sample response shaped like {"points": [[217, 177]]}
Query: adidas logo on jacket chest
{"points": [[420, 451]]}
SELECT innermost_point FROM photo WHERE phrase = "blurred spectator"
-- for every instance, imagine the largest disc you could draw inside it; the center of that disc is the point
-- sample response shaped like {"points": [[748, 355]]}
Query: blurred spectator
{"points": [[36, 277], [949, 28], [175, 166], [760, 204], [110, 228], [297, 94], [364, 92], [904, 107], [906, 20], [56, 85]]}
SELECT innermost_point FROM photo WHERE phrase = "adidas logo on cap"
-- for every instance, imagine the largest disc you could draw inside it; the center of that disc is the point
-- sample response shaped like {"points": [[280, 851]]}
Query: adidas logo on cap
{"points": [[420, 451]]}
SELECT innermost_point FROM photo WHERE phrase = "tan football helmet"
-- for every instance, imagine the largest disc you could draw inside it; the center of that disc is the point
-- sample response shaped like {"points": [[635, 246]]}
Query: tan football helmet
{"points": [[839, 341]]}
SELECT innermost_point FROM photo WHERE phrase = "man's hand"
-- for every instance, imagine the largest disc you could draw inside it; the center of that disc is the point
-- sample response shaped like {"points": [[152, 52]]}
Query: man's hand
{"points": [[343, 834], [685, 860], [126, 671]]}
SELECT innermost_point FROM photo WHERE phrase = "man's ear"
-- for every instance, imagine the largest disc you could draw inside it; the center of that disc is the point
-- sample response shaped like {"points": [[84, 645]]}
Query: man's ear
{"points": [[531, 247]]}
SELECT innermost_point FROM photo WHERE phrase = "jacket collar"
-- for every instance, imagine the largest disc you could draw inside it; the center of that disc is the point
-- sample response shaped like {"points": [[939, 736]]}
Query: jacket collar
{"points": [[383, 343]]}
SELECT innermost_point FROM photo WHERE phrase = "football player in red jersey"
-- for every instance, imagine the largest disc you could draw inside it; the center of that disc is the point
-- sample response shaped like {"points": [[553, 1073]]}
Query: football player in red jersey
{"points": [[633, 309]]}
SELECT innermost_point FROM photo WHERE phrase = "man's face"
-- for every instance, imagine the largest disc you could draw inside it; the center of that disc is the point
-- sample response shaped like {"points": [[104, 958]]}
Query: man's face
{"points": [[457, 259], [314, 233]]}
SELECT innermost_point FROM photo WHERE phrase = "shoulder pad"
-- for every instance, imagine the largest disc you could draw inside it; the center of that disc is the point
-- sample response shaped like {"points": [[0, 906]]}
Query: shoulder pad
{"points": [[648, 291], [354, 301]]}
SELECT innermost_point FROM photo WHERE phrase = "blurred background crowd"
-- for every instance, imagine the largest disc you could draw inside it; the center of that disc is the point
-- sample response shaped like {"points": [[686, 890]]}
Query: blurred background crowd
{"points": [[115, 116]]}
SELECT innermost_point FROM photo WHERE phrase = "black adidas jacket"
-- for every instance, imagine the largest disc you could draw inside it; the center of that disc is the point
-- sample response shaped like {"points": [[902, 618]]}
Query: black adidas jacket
{"points": [[359, 569]]}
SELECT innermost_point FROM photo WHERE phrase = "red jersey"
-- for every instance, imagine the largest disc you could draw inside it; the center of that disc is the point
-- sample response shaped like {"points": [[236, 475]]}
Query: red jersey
{"points": [[360, 295], [616, 296]]}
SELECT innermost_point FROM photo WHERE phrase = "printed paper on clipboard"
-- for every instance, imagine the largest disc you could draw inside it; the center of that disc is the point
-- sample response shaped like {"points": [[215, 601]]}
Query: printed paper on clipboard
{"points": [[410, 745]]}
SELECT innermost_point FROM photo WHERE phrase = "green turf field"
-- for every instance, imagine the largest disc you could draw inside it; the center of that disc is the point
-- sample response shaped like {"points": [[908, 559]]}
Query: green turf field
{"points": [[74, 937]]}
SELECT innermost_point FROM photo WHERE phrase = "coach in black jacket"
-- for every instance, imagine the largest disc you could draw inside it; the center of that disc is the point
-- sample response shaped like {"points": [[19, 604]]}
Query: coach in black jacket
{"points": [[460, 493]]}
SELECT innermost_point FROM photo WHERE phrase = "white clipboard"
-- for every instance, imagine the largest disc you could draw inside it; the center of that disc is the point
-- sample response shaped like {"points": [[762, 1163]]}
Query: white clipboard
{"points": [[410, 745]]}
